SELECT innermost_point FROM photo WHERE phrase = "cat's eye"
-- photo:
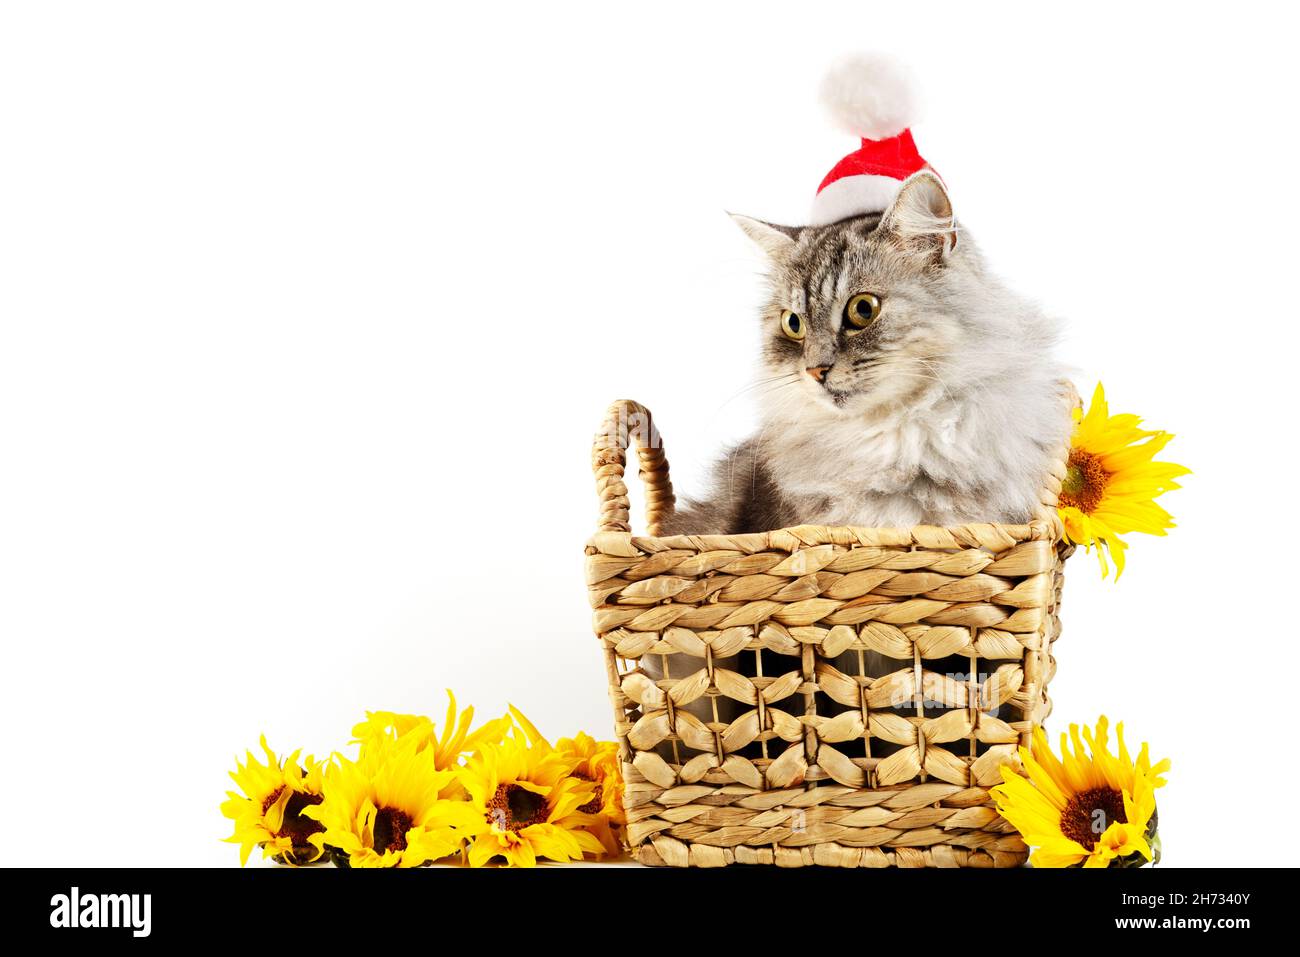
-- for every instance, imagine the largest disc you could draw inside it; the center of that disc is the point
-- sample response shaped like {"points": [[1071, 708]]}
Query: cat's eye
{"points": [[792, 325], [860, 312]]}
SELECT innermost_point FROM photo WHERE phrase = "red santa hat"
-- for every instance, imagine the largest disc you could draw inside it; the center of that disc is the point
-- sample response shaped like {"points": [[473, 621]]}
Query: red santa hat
{"points": [[872, 98]]}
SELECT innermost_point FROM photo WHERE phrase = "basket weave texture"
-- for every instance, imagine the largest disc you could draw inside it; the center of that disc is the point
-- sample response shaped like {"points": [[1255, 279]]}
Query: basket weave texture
{"points": [[818, 695]]}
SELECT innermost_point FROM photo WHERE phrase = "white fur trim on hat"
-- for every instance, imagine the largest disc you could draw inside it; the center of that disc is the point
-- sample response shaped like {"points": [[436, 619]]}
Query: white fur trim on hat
{"points": [[852, 196], [871, 96]]}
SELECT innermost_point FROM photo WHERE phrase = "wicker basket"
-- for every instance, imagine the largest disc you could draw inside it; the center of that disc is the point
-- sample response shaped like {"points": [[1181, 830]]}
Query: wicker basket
{"points": [[810, 751]]}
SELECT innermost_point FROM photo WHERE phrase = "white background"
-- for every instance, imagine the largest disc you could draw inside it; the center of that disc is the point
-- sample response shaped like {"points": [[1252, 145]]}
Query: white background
{"points": [[310, 310]]}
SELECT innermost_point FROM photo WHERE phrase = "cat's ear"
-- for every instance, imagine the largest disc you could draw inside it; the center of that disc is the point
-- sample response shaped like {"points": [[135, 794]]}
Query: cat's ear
{"points": [[921, 215], [776, 241]]}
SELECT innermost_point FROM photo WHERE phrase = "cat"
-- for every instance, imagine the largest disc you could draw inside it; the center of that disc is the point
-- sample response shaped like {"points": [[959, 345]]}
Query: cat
{"points": [[902, 384]]}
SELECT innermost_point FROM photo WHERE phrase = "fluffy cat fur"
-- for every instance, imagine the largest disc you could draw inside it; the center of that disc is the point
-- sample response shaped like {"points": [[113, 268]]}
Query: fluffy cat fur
{"points": [[944, 410]]}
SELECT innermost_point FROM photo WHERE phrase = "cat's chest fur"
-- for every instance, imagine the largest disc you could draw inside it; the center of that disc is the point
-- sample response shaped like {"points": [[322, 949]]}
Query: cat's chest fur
{"points": [[943, 465]]}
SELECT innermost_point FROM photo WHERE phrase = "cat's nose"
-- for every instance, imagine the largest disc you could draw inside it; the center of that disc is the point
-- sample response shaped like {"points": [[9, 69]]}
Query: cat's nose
{"points": [[819, 372]]}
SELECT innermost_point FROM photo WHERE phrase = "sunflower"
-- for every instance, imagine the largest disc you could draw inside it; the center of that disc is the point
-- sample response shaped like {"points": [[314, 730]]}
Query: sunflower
{"points": [[1090, 807], [393, 806], [455, 740], [268, 810], [1112, 481], [530, 801], [598, 762]]}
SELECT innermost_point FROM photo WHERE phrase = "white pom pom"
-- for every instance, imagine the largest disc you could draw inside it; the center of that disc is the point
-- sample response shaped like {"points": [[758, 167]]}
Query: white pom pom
{"points": [[870, 95]]}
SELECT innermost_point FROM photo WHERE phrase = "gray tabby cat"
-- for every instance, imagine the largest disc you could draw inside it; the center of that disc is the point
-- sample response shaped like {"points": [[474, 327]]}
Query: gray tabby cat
{"points": [[903, 384]]}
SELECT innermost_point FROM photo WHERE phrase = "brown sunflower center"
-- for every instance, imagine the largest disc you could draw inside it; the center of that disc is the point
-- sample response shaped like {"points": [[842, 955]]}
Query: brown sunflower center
{"points": [[513, 808], [592, 806], [1090, 812], [390, 829], [296, 827], [1085, 481]]}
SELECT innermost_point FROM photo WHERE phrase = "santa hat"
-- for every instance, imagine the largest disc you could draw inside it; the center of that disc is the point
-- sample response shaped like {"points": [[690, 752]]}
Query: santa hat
{"points": [[872, 98]]}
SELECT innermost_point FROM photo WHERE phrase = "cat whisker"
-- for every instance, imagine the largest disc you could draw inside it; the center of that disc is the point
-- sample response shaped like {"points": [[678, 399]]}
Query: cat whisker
{"points": [[762, 388], [929, 377], [768, 384], [938, 378]]}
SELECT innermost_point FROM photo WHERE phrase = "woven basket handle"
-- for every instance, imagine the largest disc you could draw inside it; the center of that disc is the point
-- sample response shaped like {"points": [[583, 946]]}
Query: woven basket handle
{"points": [[628, 421]]}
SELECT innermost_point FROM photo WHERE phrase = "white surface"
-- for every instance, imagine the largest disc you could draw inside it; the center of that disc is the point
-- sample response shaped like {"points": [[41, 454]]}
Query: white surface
{"points": [[309, 312]]}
